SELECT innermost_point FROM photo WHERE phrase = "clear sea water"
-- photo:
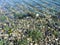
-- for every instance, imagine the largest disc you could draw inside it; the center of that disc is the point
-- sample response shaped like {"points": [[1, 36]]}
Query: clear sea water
{"points": [[49, 6]]}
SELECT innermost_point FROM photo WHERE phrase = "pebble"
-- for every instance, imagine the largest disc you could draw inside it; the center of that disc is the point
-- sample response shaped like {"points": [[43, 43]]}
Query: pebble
{"points": [[56, 39], [31, 43], [5, 24], [37, 15], [45, 23], [36, 44], [5, 37], [11, 43], [29, 39]]}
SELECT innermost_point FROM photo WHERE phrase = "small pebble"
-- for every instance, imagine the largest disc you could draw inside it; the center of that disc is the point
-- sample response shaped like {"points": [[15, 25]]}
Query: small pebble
{"points": [[37, 15]]}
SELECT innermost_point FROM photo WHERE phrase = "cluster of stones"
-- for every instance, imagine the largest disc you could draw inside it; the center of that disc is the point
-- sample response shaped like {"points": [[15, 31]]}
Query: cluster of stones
{"points": [[47, 24]]}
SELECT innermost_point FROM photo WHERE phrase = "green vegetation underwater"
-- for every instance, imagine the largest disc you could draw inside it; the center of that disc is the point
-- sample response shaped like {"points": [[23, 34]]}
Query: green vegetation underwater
{"points": [[29, 22]]}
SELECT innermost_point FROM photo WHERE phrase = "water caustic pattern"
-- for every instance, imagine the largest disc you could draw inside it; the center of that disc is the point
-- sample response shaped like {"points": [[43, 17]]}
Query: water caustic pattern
{"points": [[29, 22]]}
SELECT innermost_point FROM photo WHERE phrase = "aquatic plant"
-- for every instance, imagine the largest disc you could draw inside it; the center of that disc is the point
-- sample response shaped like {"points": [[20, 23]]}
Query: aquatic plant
{"points": [[35, 34], [1, 42], [2, 18], [23, 41]]}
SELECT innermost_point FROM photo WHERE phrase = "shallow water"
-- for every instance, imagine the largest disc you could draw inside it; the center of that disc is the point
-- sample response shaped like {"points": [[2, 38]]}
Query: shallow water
{"points": [[48, 6]]}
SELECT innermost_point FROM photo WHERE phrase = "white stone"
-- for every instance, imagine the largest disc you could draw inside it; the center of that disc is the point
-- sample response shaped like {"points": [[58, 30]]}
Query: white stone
{"points": [[59, 26], [5, 24], [37, 15], [31, 43], [23, 35], [0, 28], [49, 40], [20, 30], [49, 27], [43, 26], [28, 25], [27, 17], [14, 35], [56, 39], [36, 44], [5, 37], [11, 43], [28, 39]]}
